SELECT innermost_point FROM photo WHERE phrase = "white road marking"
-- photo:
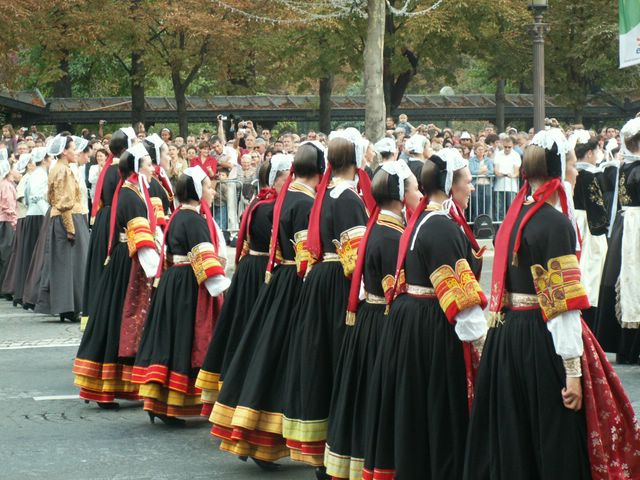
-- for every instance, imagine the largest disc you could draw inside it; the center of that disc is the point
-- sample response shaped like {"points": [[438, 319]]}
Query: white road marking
{"points": [[56, 397], [35, 345]]}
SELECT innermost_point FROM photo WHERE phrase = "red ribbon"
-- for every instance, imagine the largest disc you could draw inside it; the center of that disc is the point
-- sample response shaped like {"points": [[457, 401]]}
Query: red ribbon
{"points": [[314, 243], [266, 195], [98, 195], [404, 243], [354, 292], [277, 209]]}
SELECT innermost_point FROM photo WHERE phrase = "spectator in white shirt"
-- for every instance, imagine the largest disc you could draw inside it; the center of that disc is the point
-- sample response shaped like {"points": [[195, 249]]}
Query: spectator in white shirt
{"points": [[506, 165]]}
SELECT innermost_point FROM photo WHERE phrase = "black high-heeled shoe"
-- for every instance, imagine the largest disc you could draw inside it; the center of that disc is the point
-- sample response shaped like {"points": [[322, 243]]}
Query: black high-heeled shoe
{"points": [[266, 466], [167, 420], [108, 405], [321, 474]]}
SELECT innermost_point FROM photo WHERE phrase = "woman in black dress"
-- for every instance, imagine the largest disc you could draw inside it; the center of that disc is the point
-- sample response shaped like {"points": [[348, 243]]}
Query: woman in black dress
{"points": [[421, 385], [528, 419], [100, 215], [252, 255], [592, 219], [103, 365], [618, 317], [248, 413], [336, 227], [393, 187], [185, 307]]}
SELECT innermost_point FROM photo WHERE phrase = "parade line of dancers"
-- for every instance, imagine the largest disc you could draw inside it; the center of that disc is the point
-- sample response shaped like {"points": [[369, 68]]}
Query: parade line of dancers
{"points": [[352, 336]]}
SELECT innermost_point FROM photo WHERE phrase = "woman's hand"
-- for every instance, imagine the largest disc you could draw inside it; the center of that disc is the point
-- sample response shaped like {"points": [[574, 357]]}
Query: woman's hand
{"points": [[572, 394]]}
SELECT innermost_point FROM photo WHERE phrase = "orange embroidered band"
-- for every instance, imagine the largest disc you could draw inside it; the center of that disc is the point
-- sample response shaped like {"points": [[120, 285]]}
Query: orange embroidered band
{"points": [[139, 235], [158, 210], [205, 262], [457, 289], [303, 256], [559, 288], [347, 248]]}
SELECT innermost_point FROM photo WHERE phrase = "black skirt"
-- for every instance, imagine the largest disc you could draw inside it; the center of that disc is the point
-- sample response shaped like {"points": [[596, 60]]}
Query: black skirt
{"points": [[344, 453], [247, 282], [98, 245], [315, 347], [29, 237], [31, 292], [99, 372], [163, 363], [10, 243], [611, 336], [248, 413], [519, 427], [417, 415]]}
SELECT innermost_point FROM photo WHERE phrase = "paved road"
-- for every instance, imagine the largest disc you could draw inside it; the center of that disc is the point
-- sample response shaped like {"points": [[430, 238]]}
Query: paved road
{"points": [[47, 432]]}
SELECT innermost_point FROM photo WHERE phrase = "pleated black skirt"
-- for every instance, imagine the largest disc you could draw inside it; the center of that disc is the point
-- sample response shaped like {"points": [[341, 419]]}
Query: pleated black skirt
{"points": [[417, 415], [163, 364], [239, 300], [31, 292], [99, 372], [29, 237], [97, 254], [519, 427], [344, 452], [315, 347], [612, 337], [248, 413], [9, 246]]}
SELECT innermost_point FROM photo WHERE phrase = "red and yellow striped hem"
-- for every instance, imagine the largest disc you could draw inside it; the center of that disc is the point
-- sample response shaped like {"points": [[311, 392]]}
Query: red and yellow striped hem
{"points": [[208, 380], [378, 474], [261, 445], [160, 374], [342, 466]]}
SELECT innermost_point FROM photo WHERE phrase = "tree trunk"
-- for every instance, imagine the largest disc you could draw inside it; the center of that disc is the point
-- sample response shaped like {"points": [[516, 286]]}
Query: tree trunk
{"points": [[500, 100], [179, 92], [402, 82], [373, 79], [62, 88], [137, 88], [325, 90], [387, 61]]}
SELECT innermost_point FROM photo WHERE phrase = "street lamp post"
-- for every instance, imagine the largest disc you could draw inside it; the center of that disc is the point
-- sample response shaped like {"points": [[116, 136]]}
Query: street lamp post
{"points": [[538, 29]]}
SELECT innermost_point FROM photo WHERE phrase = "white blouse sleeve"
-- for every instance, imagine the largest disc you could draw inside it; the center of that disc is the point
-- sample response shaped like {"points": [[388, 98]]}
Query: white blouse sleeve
{"points": [[471, 324], [566, 330], [149, 260]]}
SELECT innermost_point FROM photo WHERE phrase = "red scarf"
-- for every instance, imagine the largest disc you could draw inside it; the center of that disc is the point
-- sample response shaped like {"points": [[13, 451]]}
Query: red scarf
{"points": [[98, 195], [503, 236], [266, 195], [277, 209], [404, 243], [354, 292]]}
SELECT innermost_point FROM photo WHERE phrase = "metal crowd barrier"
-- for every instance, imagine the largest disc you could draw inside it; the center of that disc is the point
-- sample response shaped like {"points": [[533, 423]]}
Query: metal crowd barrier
{"points": [[231, 198], [486, 203], [489, 201]]}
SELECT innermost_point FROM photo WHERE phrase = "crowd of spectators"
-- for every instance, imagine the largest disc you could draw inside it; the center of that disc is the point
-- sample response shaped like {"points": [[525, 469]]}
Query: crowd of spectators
{"points": [[231, 156]]}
